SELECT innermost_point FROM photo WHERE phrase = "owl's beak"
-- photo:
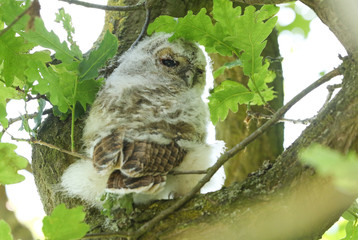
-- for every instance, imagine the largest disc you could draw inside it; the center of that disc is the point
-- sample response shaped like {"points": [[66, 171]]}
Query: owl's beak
{"points": [[189, 77]]}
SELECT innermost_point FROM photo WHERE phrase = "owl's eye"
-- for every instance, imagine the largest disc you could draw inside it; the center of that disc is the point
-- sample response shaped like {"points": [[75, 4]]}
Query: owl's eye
{"points": [[169, 62]]}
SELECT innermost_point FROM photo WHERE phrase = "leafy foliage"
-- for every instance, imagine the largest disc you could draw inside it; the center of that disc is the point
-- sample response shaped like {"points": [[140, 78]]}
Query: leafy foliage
{"points": [[351, 215], [112, 201], [65, 223], [232, 33], [70, 83], [327, 162], [343, 171], [300, 22], [226, 96], [5, 94], [10, 163], [228, 65], [5, 231], [88, 68]]}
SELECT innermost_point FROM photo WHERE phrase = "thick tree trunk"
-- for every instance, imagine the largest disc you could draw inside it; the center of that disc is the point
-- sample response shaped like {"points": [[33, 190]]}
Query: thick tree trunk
{"points": [[284, 200]]}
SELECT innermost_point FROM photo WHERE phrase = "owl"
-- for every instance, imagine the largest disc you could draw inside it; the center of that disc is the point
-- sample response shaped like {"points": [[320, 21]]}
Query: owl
{"points": [[147, 120]]}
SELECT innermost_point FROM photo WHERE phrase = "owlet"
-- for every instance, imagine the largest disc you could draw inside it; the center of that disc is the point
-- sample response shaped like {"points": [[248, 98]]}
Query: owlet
{"points": [[147, 120]]}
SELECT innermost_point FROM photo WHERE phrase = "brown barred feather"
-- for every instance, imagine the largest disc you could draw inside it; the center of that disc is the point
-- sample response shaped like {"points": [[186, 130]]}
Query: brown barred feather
{"points": [[137, 164], [107, 151], [148, 158], [148, 184]]}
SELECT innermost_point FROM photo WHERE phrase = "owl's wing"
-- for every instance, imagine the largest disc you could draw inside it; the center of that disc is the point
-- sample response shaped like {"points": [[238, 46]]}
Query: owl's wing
{"points": [[107, 152], [147, 184], [144, 166], [147, 158]]}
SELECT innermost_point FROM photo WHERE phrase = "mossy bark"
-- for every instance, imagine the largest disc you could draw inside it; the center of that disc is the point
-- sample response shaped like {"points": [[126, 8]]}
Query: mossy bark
{"points": [[283, 200]]}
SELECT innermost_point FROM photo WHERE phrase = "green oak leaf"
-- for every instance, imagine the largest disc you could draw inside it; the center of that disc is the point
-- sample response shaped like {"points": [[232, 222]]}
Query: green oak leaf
{"points": [[200, 28], [162, 23], [258, 85], [197, 28], [228, 65], [225, 14], [5, 94], [58, 83], [65, 224], [87, 91], [14, 55], [10, 9], [88, 68], [66, 20], [250, 36], [227, 96], [10, 163], [40, 36], [5, 231]]}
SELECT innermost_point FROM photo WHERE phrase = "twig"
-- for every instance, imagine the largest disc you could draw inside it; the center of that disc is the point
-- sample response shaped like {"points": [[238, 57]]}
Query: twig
{"points": [[106, 235], [73, 154], [39, 142], [138, 6], [29, 116], [187, 172], [38, 96], [227, 155], [265, 116], [331, 89], [144, 28], [32, 115]]}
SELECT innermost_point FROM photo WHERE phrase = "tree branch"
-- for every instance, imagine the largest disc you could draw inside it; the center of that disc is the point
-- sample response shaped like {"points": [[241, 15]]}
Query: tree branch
{"points": [[187, 172], [32, 115], [331, 89], [258, 115], [240, 146], [139, 6], [144, 28]]}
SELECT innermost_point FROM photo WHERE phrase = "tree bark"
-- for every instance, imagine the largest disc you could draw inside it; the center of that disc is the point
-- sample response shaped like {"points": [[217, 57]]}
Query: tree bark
{"points": [[283, 200]]}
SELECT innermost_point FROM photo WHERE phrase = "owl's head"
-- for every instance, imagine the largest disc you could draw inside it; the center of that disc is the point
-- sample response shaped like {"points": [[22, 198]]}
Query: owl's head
{"points": [[157, 60]]}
